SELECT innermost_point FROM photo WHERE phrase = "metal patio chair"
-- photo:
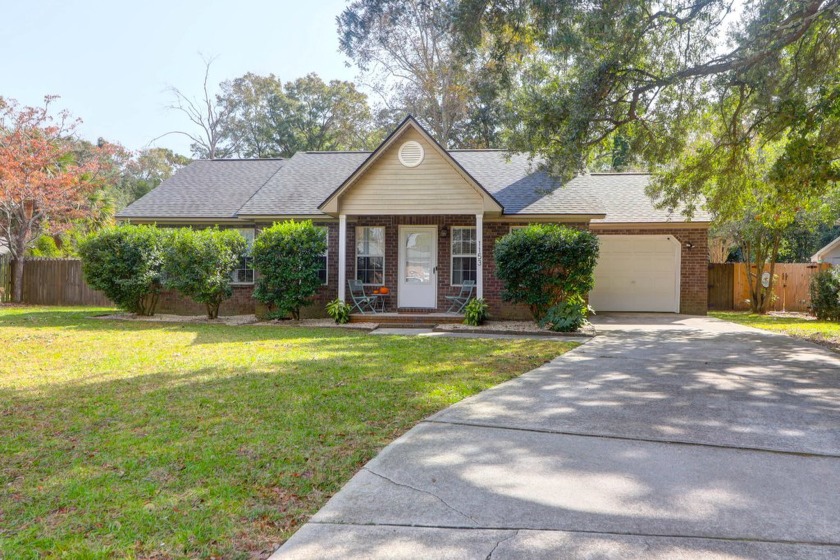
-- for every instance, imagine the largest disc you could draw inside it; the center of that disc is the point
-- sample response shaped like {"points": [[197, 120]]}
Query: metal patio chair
{"points": [[460, 301], [361, 301]]}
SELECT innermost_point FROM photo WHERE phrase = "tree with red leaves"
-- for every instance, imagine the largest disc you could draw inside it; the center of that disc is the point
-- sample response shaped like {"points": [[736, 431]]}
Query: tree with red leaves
{"points": [[44, 182]]}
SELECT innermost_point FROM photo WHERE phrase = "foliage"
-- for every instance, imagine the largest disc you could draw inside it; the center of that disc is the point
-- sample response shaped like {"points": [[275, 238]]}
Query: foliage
{"points": [[339, 311], [144, 171], [42, 182], [581, 73], [209, 120], [199, 263], [825, 295], [270, 119], [233, 435], [544, 264], [567, 316], [407, 54], [475, 312], [125, 264], [287, 257]]}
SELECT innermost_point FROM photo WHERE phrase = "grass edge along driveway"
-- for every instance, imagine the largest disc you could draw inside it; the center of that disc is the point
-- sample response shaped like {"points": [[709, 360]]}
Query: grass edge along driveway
{"points": [[824, 333], [150, 440]]}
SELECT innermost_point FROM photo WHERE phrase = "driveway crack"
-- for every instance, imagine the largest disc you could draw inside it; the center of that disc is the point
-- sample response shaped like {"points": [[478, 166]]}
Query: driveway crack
{"points": [[489, 556], [421, 490]]}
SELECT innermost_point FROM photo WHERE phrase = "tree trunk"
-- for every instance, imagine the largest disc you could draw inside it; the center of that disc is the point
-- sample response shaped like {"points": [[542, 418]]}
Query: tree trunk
{"points": [[17, 280]]}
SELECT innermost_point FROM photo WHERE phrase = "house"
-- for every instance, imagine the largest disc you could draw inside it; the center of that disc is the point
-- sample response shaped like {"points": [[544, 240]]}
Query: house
{"points": [[829, 254], [420, 220]]}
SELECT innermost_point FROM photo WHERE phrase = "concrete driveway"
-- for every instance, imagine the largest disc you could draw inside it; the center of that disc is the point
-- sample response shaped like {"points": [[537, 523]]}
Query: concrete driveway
{"points": [[664, 437]]}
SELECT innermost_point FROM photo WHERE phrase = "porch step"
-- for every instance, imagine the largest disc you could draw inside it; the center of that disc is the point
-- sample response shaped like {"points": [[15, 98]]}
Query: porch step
{"points": [[407, 320]]}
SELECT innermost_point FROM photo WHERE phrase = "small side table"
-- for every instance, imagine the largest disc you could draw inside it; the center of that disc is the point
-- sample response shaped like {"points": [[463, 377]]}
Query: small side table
{"points": [[383, 302]]}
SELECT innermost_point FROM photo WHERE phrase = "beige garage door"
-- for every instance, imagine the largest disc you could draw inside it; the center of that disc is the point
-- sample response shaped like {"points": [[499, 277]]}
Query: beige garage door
{"points": [[637, 273]]}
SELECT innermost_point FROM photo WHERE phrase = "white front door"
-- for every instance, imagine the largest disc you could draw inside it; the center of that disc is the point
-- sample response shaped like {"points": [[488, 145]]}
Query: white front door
{"points": [[417, 284]]}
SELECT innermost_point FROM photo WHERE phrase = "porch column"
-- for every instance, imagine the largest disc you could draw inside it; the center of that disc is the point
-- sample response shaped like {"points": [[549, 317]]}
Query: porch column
{"points": [[342, 255], [479, 260]]}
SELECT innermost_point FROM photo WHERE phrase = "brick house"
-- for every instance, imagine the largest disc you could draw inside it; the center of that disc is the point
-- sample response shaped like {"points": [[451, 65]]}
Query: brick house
{"points": [[419, 219]]}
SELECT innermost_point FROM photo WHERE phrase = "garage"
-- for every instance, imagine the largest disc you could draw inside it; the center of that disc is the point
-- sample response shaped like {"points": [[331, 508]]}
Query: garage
{"points": [[637, 273]]}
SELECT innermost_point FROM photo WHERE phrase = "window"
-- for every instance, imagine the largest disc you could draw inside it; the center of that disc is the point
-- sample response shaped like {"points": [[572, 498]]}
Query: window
{"points": [[323, 272], [463, 255], [370, 255], [244, 272]]}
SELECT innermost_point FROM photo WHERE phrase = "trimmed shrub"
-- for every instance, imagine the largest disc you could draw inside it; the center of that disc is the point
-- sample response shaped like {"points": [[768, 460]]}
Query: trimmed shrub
{"points": [[475, 312], [125, 264], [287, 257], [825, 295], [198, 264], [545, 264]]}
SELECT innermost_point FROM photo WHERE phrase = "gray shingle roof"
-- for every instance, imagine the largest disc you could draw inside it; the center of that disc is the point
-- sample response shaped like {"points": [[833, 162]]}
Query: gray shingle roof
{"points": [[625, 200], [521, 188], [297, 186], [205, 189], [303, 184]]}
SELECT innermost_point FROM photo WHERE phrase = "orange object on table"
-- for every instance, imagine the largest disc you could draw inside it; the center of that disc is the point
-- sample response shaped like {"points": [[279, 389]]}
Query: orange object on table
{"points": [[383, 290]]}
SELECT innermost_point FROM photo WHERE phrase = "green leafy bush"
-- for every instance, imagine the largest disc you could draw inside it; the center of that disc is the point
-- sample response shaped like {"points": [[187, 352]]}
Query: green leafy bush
{"points": [[545, 264], [475, 312], [125, 264], [567, 316], [825, 295], [339, 311], [199, 263], [287, 257]]}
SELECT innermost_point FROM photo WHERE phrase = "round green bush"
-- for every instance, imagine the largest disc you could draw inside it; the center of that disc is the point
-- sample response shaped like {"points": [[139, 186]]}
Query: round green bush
{"points": [[544, 264]]}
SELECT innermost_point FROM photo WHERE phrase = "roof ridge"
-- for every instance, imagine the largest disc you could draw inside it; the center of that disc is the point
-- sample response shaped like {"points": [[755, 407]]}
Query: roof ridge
{"points": [[270, 177], [320, 152]]}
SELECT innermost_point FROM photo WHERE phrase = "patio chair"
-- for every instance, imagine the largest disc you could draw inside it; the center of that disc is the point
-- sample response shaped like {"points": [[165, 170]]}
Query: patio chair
{"points": [[460, 301], [361, 301]]}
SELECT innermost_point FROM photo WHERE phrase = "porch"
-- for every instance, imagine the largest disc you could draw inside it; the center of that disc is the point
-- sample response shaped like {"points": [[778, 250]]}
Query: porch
{"points": [[411, 265], [407, 319]]}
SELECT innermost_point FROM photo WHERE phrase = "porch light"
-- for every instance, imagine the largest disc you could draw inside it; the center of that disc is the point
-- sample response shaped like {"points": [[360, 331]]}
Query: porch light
{"points": [[689, 245], [444, 232]]}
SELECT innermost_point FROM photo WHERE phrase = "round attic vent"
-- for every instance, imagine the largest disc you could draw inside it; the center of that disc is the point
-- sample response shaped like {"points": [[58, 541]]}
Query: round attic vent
{"points": [[411, 154]]}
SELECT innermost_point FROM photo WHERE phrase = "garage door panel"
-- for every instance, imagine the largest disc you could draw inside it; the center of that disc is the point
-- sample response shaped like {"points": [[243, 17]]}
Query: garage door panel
{"points": [[637, 273]]}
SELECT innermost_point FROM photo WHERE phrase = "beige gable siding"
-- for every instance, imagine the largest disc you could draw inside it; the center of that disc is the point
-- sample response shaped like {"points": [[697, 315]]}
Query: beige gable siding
{"points": [[433, 187]]}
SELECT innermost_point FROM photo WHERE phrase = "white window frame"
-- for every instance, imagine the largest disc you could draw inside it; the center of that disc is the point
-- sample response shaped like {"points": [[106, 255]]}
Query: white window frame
{"points": [[357, 255], [250, 243], [453, 255], [326, 256]]}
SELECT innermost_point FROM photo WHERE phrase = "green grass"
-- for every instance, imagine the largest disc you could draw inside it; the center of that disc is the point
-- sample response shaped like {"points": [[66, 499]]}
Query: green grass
{"points": [[824, 332], [163, 440]]}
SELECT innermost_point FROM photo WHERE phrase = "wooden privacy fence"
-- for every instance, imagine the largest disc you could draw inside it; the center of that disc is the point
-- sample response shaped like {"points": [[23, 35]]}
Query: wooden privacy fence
{"points": [[58, 282], [729, 290], [5, 278]]}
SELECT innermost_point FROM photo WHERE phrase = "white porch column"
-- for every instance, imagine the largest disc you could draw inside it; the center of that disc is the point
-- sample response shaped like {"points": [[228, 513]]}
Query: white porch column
{"points": [[479, 259], [342, 255]]}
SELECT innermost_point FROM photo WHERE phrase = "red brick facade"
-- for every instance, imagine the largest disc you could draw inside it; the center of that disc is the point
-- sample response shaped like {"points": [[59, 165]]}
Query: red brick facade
{"points": [[693, 273]]}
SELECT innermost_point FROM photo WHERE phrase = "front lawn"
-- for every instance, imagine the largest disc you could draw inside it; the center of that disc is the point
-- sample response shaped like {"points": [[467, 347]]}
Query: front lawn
{"points": [[821, 332], [149, 440]]}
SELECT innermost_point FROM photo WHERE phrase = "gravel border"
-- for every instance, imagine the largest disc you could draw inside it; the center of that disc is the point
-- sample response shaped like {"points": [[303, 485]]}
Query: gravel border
{"points": [[511, 328]]}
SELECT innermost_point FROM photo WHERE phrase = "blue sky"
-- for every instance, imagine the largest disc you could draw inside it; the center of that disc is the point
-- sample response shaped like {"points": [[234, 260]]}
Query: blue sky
{"points": [[111, 61]]}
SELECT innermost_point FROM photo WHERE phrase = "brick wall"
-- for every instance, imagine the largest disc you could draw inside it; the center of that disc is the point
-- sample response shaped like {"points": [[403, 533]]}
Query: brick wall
{"points": [[241, 303], [694, 268]]}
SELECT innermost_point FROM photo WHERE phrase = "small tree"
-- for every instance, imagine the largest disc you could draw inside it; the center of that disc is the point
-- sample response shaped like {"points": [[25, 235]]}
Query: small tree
{"points": [[198, 264], [287, 257], [125, 263], [545, 264]]}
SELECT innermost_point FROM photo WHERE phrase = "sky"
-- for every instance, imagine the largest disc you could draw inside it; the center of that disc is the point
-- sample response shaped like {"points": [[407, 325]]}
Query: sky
{"points": [[111, 61]]}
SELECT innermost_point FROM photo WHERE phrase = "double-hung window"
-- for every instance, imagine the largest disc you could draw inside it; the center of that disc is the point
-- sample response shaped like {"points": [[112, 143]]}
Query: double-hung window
{"points": [[370, 255], [463, 255], [244, 271], [323, 272]]}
